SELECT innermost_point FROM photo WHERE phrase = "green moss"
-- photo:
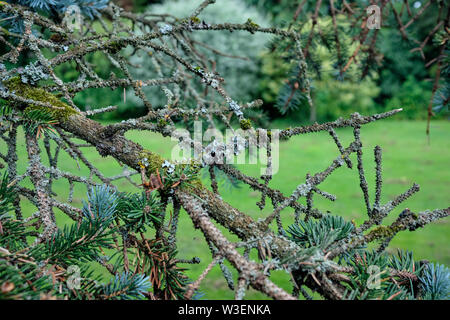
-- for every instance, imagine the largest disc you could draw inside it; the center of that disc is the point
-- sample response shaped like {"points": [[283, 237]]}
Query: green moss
{"points": [[192, 185], [383, 232], [38, 94], [183, 21], [245, 124], [115, 46], [162, 123], [251, 25], [195, 20], [151, 161]]}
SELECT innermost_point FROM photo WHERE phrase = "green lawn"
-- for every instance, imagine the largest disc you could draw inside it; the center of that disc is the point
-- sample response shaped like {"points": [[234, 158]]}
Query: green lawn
{"points": [[407, 158]]}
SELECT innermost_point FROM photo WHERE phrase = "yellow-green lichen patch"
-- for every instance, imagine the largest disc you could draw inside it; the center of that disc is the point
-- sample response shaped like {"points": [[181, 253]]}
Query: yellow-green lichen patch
{"points": [[192, 185], [115, 46], [195, 20], [162, 123], [383, 232], [26, 91], [251, 25], [245, 124]]}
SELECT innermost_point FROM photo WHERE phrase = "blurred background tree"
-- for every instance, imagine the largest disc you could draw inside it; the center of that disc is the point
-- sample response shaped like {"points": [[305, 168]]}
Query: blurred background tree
{"points": [[392, 84], [235, 59], [260, 62]]}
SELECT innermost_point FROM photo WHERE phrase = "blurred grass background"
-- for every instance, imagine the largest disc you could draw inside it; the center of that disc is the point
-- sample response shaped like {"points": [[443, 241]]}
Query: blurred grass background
{"points": [[407, 158]]}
